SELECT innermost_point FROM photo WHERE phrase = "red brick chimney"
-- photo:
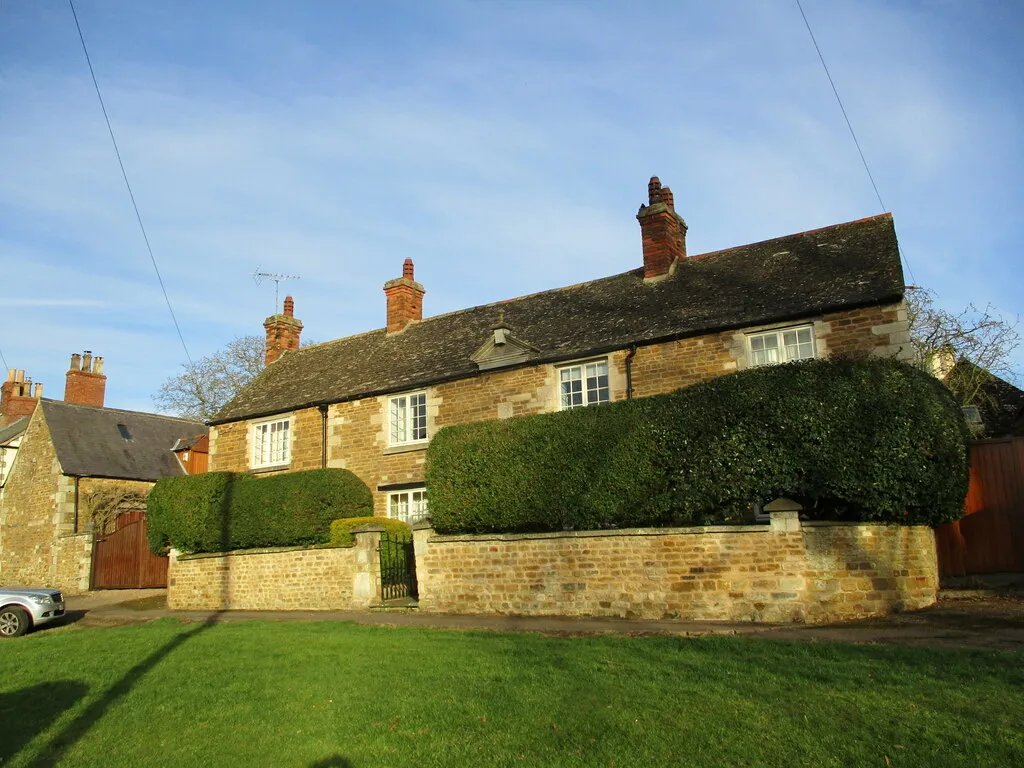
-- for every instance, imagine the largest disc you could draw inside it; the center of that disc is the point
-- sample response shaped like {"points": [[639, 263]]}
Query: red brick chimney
{"points": [[662, 230], [283, 331], [405, 299], [85, 383], [17, 397]]}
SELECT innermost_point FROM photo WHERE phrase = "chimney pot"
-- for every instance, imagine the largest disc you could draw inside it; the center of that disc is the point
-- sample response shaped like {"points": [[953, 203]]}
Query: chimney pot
{"points": [[289, 306], [407, 269], [10, 374], [76, 362], [38, 393], [19, 375], [97, 365], [87, 361]]}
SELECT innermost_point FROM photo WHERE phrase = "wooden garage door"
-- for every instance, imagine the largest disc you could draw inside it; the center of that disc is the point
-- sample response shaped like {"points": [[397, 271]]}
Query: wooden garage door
{"points": [[122, 560]]}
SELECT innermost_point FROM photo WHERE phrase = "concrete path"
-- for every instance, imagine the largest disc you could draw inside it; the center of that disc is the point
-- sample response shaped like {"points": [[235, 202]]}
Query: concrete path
{"points": [[965, 618]]}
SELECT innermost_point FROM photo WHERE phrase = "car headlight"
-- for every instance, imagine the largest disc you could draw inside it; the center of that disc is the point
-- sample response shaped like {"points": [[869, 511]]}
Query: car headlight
{"points": [[41, 599]]}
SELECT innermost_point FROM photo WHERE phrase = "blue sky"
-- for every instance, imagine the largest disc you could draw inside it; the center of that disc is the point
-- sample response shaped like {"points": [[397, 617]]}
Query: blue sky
{"points": [[504, 146]]}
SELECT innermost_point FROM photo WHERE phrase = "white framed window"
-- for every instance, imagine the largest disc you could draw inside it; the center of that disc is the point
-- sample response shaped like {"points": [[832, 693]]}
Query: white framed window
{"points": [[271, 445], [583, 384], [409, 506], [781, 346], [407, 418]]}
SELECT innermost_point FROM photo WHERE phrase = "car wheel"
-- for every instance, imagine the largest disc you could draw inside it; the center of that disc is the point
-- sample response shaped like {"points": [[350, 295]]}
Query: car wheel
{"points": [[14, 621]]}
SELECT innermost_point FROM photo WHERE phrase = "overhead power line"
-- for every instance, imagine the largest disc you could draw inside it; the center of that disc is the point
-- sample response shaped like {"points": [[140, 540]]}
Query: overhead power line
{"points": [[124, 174], [849, 125]]}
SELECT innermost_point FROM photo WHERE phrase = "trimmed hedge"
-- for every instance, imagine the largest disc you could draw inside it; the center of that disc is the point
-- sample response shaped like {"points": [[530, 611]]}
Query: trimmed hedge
{"points": [[222, 511], [341, 530], [869, 439]]}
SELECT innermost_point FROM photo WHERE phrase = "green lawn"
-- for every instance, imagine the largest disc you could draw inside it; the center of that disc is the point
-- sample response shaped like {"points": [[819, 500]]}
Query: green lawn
{"points": [[331, 694]]}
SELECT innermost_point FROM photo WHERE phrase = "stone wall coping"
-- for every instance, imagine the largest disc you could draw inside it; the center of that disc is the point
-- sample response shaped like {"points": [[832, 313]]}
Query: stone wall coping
{"points": [[369, 528], [261, 551], [440, 539], [854, 524]]}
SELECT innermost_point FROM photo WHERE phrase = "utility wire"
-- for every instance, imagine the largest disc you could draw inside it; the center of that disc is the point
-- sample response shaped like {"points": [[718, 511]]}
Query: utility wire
{"points": [[3, 359], [131, 194], [849, 125]]}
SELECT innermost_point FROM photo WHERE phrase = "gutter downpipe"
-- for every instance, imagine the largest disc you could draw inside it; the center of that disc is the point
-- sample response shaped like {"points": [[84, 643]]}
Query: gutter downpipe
{"points": [[323, 434], [629, 371]]}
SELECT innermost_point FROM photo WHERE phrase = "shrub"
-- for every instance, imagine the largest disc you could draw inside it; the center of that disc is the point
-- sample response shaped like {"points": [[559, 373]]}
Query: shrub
{"points": [[862, 440], [221, 511], [341, 530]]}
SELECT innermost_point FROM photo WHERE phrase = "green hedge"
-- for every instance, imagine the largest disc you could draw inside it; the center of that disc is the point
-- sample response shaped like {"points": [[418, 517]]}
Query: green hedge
{"points": [[221, 511], [341, 530], [859, 440]]}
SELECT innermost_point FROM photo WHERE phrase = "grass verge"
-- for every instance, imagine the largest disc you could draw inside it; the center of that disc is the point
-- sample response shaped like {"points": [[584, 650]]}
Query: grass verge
{"points": [[331, 694]]}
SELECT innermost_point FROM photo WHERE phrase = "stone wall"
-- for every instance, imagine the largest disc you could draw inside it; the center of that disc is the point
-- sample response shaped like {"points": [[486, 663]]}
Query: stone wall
{"points": [[357, 438], [278, 579], [782, 572]]}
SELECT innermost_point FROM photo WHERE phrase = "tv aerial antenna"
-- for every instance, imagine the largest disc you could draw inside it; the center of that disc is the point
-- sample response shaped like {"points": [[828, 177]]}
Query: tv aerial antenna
{"points": [[258, 277]]}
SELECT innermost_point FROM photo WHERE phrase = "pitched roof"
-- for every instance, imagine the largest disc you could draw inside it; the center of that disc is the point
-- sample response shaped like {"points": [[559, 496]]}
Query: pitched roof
{"points": [[13, 429], [842, 266], [1000, 404], [107, 442]]}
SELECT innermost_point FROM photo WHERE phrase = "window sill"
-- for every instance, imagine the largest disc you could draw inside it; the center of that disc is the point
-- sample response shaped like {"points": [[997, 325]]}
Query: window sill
{"points": [[407, 447], [269, 468]]}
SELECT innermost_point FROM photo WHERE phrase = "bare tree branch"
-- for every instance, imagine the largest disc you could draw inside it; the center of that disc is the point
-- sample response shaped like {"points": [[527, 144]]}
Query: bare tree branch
{"points": [[965, 350]]}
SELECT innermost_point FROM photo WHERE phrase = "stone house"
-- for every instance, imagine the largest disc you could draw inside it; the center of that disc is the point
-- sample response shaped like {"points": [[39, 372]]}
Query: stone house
{"points": [[371, 402], [69, 454]]}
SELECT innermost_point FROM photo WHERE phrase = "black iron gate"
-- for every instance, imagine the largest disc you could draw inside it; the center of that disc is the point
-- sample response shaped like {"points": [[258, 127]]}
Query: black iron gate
{"points": [[397, 567]]}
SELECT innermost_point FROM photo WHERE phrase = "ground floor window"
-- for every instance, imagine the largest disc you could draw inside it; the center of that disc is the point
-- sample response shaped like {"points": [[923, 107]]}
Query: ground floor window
{"points": [[409, 506]]}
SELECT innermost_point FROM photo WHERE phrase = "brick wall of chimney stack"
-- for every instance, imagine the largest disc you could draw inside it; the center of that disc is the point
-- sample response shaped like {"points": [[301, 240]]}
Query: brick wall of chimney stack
{"points": [[404, 299], [662, 231], [283, 332], [84, 382]]}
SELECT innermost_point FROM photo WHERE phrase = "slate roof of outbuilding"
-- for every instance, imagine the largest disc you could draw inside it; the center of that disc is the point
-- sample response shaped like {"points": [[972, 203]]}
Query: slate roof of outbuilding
{"points": [[89, 442], [841, 266]]}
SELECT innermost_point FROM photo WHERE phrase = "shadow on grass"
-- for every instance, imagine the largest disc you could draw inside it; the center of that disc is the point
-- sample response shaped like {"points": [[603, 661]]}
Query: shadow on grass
{"points": [[30, 711], [54, 751], [334, 761]]}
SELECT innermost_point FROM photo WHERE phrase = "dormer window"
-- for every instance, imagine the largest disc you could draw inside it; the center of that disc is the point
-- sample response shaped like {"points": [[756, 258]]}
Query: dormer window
{"points": [[125, 434]]}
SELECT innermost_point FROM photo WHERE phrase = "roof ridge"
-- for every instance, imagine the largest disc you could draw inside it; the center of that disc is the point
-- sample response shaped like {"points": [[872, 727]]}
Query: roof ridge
{"points": [[829, 228], [103, 408]]}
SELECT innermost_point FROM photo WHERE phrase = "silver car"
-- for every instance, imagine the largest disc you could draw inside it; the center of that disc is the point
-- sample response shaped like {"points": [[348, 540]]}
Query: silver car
{"points": [[22, 608]]}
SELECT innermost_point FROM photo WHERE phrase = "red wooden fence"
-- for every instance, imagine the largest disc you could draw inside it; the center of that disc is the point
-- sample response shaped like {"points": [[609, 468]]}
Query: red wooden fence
{"points": [[990, 536], [122, 560]]}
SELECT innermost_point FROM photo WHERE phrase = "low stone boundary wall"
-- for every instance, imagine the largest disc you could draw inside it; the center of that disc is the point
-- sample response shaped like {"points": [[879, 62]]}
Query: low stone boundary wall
{"points": [[780, 572], [278, 579]]}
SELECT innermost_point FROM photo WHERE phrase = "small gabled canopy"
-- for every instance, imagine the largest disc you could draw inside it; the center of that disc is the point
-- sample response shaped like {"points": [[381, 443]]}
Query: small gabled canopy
{"points": [[13, 430], [108, 442]]}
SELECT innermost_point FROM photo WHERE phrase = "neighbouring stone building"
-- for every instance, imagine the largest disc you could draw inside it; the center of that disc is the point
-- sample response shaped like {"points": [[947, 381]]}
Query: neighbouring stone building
{"points": [[67, 456]]}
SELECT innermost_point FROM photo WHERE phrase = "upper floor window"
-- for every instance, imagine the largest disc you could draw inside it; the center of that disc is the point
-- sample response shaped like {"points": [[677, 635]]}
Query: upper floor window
{"points": [[782, 346], [408, 418], [270, 443], [584, 384], [408, 506]]}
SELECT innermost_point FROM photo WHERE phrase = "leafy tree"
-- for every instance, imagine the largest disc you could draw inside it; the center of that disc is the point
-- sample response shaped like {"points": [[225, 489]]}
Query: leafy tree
{"points": [[205, 385], [965, 350]]}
